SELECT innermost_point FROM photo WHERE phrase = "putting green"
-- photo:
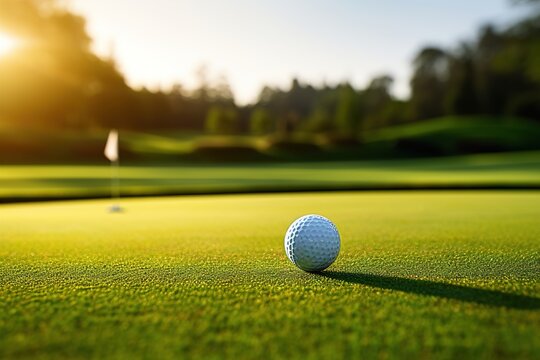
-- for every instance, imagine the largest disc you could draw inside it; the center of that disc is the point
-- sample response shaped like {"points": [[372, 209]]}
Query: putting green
{"points": [[420, 274]]}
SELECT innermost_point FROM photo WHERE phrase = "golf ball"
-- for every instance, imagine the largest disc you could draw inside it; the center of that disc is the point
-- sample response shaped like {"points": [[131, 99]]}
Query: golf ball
{"points": [[312, 243]]}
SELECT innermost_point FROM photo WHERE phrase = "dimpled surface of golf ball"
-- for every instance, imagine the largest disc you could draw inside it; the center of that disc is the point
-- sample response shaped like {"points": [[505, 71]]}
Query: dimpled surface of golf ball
{"points": [[312, 243]]}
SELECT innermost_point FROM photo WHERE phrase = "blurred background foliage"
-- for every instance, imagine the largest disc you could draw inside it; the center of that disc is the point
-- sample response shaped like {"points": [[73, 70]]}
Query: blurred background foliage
{"points": [[482, 95]]}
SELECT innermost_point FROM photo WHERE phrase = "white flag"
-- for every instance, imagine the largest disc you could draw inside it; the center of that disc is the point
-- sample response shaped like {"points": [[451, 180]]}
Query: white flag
{"points": [[111, 149]]}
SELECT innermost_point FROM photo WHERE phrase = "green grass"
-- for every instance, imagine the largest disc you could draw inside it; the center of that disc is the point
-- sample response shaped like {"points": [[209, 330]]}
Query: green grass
{"points": [[518, 170], [510, 130], [453, 135], [420, 275]]}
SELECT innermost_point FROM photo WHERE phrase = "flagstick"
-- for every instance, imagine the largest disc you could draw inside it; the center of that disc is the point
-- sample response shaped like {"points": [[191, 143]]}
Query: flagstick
{"points": [[115, 187], [111, 153]]}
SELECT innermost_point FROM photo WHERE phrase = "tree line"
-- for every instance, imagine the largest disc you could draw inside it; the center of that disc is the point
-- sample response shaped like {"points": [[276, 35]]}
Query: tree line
{"points": [[57, 81]]}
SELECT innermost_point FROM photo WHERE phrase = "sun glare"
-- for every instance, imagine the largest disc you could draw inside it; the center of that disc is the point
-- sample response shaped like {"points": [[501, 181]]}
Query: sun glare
{"points": [[7, 44]]}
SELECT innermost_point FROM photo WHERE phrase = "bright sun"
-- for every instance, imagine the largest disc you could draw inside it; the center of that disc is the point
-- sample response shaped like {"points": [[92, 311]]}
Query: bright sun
{"points": [[7, 44]]}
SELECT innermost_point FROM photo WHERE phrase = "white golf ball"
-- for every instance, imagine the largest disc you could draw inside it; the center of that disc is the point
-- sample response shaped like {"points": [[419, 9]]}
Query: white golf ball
{"points": [[312, 243]]}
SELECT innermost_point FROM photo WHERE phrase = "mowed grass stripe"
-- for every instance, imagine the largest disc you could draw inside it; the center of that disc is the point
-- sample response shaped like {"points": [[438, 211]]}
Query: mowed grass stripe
{"points": [[505, 170]]}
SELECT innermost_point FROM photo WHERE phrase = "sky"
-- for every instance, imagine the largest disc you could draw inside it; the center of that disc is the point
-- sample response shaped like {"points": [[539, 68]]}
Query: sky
{"points": [[252, 43]]}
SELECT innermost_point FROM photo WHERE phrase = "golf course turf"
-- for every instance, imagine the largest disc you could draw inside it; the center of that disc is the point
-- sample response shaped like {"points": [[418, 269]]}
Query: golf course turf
{"points": [[432, 274], [482, 171]]}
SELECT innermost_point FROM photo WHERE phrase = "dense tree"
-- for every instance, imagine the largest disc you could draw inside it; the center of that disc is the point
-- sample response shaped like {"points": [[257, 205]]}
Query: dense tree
{"points": [[222, 121], [377, 100], [428, 84], [57, 81], [461, 93], [348, 111], [490, 83], [261, 122]]}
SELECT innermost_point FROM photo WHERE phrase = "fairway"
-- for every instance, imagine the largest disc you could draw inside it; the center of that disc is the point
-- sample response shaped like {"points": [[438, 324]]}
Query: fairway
{"points": [[42, 182], [420, 275]]}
